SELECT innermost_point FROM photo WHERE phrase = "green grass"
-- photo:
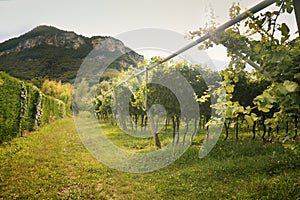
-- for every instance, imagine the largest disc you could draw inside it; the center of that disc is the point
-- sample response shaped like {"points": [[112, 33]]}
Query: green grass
{"points": [[53, 164]]}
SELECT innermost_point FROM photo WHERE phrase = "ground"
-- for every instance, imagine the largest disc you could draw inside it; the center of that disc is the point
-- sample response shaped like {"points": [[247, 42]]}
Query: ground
{"points": [[52, 163]]}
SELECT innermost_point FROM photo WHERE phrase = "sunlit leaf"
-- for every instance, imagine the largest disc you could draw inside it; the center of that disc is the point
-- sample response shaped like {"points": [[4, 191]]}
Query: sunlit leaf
{"points": [[297, 76], [230, 88], [249, 120], [282, 90], [241, 109], [263, 109], [290, 86]]}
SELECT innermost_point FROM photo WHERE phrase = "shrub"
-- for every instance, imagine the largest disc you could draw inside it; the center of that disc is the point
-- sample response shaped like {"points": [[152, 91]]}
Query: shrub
{"points": [[10, 108], [23, 107]]}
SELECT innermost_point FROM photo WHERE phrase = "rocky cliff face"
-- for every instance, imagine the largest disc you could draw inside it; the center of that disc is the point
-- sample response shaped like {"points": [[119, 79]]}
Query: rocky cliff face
{"points": [[67, 40], [48, 51]]}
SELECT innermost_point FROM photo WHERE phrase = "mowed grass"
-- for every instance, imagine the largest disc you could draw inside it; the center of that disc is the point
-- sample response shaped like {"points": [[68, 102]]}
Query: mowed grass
{"points": [[53, 164]]}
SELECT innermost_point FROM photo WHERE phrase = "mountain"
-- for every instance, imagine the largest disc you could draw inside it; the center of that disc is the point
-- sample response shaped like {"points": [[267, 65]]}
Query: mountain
{"points": [[49, 52]]}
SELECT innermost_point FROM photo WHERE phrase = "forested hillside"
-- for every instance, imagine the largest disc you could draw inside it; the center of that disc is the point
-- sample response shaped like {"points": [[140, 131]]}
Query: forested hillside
{"points": [[49, 52]]}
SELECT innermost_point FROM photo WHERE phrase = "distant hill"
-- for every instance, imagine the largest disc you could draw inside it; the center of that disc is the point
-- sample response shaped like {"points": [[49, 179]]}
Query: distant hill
{"points": [[49, 52]]}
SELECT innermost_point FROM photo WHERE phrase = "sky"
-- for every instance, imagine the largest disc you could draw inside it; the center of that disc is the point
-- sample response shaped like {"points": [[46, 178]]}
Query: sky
{"points": [[114, 17]]}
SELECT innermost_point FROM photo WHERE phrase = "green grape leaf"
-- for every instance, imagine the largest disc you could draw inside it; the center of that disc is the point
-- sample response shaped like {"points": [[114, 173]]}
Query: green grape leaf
{"points": [[248, 110], [271, 122], [230, 88], [241, 109], [269, 106], [257, 48], [236, 79], [290, 86], [282, 90], [254, 117], [289, 9], [297, 76], [284, 29], [263, 109], [249, 120], [260, 98]]}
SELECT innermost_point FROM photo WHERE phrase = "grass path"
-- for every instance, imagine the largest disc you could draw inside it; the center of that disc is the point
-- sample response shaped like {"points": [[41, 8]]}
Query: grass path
{"points": [[53, 164]]}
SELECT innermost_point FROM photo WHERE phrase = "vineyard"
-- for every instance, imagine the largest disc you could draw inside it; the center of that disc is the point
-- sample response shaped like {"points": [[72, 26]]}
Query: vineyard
{"points": [[251, 103], [242, 123], [265, 101]]}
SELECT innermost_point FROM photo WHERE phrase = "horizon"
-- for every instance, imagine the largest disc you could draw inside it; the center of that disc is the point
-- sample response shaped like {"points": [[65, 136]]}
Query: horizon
{"points": [[148, 54], [112, 18]]}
